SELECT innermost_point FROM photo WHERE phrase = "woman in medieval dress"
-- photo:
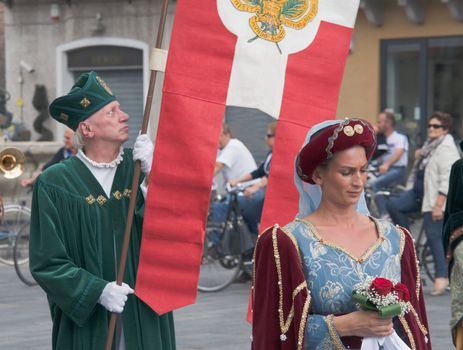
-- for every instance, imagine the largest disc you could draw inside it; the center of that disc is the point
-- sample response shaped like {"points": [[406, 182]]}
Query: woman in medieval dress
{"points": [[305, 272]]}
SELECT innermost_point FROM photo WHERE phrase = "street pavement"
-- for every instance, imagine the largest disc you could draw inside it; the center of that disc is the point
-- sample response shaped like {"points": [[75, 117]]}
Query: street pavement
{"points": [[216, 321]]}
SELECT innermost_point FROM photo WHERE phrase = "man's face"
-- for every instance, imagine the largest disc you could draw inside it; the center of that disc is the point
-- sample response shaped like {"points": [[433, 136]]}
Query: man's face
{"points": [[382, 123], [110, 124], [68, 134], [224, 138]]}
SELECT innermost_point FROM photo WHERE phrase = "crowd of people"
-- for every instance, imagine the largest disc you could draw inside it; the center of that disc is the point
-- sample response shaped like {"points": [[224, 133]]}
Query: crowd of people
{"points": [[237, 166], [305, 271]]}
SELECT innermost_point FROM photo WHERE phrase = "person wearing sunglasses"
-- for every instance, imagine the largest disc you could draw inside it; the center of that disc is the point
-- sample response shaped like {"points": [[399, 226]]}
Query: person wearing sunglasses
{"points": [[253, 203], [430, 174]]}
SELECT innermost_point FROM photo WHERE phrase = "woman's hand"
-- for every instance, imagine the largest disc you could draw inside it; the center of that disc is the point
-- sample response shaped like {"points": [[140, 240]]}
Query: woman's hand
{"points": [[363, 324]]}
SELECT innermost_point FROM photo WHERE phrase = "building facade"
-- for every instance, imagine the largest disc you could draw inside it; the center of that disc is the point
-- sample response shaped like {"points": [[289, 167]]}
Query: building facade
{"points": [[52, 42], [406, 56]]}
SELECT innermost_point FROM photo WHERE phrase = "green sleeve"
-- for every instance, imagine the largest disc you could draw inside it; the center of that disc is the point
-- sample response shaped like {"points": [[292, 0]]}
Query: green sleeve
{"points": [[74, 290]]}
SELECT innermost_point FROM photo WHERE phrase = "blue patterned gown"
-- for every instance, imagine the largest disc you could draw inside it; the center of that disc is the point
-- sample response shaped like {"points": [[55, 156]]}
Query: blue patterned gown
{"points": [[331, 273]]}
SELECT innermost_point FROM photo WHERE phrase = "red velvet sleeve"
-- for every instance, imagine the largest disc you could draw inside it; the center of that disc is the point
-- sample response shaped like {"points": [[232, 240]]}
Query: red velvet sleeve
{"points": [[281, 299], [416, 320]]}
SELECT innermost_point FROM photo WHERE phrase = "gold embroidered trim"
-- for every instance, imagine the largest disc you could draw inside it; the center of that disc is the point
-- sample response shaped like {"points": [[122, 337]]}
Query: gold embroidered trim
{"points": [[418, 274], [284, 325], [303, 285], [420, 325], [305, 312], [332, 138], [117, 195], [293, 239], [455, 235], [402, 242], [254, 265], [105, 86], [364, 256], [127, 193], [90, 199], [333, 333], [101, 200], [404, 323], [254, 268]]}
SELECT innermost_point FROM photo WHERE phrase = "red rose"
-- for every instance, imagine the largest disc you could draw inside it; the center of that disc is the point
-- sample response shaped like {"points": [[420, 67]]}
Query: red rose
{"points": [[402, 291], [382, 286]]}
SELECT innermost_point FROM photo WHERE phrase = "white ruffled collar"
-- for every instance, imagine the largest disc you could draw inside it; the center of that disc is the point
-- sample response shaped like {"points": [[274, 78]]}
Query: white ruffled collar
{"points": [[114, 163]]}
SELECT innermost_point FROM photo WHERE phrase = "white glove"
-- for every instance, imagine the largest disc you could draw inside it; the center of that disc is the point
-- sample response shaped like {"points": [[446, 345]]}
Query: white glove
{"points": [[143, 151], [114, 296]]}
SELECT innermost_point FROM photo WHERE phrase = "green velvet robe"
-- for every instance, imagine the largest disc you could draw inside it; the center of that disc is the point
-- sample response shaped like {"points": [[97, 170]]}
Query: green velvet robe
{"points": [[75, 245]]}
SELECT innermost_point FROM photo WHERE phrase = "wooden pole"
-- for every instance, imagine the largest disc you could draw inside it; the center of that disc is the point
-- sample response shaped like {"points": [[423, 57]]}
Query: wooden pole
{"points": [[136, 177]]}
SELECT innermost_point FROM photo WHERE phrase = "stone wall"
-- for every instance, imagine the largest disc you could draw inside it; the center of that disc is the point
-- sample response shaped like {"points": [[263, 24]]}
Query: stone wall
{"points": [[33, 36]]}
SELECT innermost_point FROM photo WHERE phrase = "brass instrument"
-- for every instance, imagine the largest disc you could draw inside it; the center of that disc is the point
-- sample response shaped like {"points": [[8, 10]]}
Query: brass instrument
{"points": [[12, 162]]}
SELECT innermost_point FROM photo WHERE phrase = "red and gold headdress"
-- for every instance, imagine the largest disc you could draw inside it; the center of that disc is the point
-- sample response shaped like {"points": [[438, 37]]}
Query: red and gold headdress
{"points": [[326, 142]]}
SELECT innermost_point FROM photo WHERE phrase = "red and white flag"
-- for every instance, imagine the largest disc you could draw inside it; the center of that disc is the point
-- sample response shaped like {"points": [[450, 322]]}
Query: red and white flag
{"points": [[284, 57]]}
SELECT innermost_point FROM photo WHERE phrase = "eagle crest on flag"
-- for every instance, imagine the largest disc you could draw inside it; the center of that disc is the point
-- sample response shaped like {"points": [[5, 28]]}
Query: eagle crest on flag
{"points": [[272, 15]]}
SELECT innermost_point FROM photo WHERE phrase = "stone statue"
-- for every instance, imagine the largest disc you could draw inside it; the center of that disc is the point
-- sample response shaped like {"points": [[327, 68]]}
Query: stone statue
{"points": [[40, 103]]}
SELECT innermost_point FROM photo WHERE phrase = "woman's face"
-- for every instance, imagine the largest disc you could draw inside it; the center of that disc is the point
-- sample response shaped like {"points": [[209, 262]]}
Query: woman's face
{"points": [[342, 180], [435, 129]]}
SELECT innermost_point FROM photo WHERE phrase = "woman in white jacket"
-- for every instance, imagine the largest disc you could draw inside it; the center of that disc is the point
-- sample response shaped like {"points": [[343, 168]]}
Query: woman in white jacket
{"points": [[430, 174]]}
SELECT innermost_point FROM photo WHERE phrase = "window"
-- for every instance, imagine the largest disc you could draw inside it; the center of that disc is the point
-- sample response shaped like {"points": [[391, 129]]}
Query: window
{"points": [[420, 76]]}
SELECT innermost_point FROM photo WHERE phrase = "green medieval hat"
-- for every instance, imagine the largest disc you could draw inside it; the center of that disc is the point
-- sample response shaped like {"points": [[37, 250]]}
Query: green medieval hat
{"points": [[88, 95]]}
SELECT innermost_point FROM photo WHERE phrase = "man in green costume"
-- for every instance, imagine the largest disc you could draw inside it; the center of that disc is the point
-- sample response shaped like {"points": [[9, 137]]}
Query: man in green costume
{"points": [[79, 210]]}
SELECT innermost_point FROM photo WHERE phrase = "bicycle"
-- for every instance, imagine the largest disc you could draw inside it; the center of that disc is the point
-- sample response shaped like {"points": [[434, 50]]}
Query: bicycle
{"points": [[21, 255], [422, 248], [370, 194], [219, 265], [12, 218], [14, 239]]}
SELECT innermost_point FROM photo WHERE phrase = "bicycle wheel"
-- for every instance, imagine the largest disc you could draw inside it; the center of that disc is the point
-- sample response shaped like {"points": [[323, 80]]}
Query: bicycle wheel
{"points": [[427, 261], [14, 217], [217, 270], [21, 256], [424, 254], [371, 204]]}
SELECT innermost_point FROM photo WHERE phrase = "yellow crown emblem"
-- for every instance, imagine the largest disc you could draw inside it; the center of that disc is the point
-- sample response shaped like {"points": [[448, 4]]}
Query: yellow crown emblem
{"points": [[271, 16]]}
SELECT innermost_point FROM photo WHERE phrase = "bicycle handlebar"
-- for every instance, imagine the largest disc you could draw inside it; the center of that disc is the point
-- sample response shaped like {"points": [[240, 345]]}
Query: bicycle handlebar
{"points": [[239, 188]]}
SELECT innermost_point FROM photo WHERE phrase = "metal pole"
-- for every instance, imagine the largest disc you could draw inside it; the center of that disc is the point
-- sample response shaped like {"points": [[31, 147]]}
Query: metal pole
{"points": [[136, 177]]}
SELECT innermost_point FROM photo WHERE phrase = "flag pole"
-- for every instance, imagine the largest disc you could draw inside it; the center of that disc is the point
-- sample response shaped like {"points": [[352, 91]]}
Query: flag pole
{"points": [[136, 176]]}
